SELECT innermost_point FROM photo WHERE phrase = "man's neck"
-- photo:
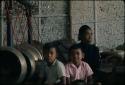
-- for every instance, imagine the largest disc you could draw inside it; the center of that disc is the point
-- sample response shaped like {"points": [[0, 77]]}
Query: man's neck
{"points": [[83, 42]]}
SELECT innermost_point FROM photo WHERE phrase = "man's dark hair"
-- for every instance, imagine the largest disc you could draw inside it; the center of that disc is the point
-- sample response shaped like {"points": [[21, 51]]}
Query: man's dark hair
{"points": [[82, 30]]}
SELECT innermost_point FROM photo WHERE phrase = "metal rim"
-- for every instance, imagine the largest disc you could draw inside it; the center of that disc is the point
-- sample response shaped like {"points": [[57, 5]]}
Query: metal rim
{"points": [[31, 60], [21, 60], [36, 54]]}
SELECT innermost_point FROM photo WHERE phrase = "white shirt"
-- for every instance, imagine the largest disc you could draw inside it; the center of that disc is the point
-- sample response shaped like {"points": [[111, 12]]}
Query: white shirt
{"points": [[54, 72]]}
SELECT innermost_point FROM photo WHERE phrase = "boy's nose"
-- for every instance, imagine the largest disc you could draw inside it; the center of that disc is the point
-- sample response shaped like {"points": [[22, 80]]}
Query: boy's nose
{"points": [[75, 57]]}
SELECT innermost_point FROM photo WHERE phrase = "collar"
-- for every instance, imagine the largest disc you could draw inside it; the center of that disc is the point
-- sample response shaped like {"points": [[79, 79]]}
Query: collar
{"points": [[73, 65], [54, 62], [49, 65]]}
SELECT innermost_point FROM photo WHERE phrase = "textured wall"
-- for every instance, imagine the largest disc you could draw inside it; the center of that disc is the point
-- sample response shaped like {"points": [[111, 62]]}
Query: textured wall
{"points": [[81, 13], [49, 21], [110, 23], [54, 18], [107, 17]]}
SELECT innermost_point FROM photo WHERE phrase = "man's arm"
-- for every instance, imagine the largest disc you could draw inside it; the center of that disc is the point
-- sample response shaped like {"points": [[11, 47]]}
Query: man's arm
{"points": [[97, 58], [90, 81], [97, 65]]}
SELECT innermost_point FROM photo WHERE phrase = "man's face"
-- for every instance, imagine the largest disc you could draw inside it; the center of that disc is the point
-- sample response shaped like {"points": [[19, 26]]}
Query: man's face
{"points": [[76, 56], [87, 36], [51, 55]]}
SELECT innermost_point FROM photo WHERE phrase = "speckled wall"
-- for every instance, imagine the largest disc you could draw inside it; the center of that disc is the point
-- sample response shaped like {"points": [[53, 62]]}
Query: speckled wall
{"points": [[110, 23], [107, 17], [49, 21], [54, 18]]}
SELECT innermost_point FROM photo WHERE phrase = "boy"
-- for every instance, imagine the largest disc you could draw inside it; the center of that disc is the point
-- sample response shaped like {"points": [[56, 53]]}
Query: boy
{"points": [[53, 71], [78, 71]]}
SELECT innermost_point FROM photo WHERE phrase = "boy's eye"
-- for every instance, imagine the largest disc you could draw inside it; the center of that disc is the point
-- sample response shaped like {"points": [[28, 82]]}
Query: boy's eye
{"points": [[51, 53], [78, 52]]}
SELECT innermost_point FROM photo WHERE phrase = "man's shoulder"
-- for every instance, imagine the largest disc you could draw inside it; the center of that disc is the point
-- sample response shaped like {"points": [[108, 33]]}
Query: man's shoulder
{"points": [[90, 45], [94, 46]]}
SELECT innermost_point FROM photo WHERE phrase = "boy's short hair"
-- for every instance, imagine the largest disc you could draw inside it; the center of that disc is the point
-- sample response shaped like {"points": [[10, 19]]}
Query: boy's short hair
{"points": [[75, 46], [82, 30], [48, 46]]}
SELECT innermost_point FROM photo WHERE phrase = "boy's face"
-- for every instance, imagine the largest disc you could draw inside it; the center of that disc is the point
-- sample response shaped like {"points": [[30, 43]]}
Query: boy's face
{"points": [[87, 36], [76, 56], [51, 55]]}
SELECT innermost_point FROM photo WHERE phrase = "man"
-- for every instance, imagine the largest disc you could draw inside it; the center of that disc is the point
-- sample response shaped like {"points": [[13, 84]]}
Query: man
{"points": [[92, 56]]}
